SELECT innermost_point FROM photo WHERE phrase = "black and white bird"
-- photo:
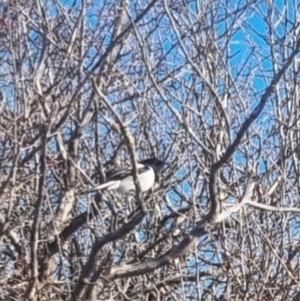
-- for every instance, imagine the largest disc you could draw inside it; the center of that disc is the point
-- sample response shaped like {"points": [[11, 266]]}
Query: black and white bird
{"points": [[122, 181]]}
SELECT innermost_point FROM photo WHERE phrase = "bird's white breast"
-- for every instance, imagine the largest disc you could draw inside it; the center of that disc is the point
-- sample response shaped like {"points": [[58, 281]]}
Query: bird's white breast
{"points": [[146, 179]]}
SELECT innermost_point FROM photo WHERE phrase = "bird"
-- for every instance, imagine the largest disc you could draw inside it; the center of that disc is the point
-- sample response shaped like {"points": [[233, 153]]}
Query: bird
{"points": [[122, 181]]}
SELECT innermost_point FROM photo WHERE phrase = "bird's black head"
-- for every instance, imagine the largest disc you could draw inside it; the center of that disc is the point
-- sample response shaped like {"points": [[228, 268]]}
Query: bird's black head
{"points": [[155, 163]]}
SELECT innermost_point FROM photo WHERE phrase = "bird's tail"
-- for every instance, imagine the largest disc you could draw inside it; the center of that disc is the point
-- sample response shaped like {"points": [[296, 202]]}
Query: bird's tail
{"points": [[100, 187]]}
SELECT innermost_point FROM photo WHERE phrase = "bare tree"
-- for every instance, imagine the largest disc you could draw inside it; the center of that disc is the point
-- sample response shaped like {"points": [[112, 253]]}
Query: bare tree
{"points": [[88, 86]]}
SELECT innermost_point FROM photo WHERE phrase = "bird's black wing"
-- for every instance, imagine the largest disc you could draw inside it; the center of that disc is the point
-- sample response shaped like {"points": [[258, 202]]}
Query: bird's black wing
{"points": [[122, 174]]}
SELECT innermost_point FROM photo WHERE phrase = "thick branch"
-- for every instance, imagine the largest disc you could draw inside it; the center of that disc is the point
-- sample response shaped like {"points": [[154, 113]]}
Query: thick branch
{"points": [[255, 113], [99, 244], [37, 217], [129, 142]]}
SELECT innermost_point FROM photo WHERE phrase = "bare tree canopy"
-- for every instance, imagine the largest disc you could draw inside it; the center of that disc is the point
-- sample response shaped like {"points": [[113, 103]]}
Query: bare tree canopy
{"points": [[210, 86]]}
